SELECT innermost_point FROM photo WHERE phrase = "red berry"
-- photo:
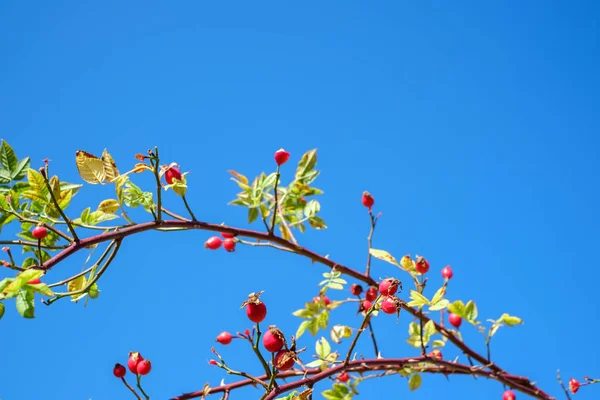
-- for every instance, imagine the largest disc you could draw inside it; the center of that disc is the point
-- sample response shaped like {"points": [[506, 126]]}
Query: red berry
{"points": [[389, 286], [390, 305], [273, 340], [256, 312], [356, 289], [171, 174], [119, 371], [371, 293], [574, 385], [326, 300], [213, 243], [224, 338], [343, 377], [509, 395], [134, 359], [368, 200], [447, 272], [365, 305], [212, 362], [454, 320], [34, 281], [247, 332], [227, 235], [422, 265], [435, 354], [39, 232], [281, 156], [229, 244], [144, 367], [284, 360]]}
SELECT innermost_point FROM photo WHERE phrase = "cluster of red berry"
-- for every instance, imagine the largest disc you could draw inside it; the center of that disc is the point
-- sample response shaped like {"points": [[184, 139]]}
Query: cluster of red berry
{"points": [[137, 364], [228, 242]]}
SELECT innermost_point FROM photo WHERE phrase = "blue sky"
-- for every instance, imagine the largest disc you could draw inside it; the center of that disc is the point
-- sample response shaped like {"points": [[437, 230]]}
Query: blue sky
{"points": [[474, 124]]}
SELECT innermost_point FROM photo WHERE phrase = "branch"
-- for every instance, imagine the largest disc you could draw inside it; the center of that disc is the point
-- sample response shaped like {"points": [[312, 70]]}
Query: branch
{"points": [[60, 210]]}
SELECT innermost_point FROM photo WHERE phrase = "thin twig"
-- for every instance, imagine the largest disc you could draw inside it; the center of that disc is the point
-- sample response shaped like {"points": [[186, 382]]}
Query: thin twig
{"points": [[373, 337], [370, 241], [155, 161], [130, 388], [275, 204], [188, 208], [258, 353], [560, 382], [139, 385], [360, 330], [172, 214], [28, 243]]}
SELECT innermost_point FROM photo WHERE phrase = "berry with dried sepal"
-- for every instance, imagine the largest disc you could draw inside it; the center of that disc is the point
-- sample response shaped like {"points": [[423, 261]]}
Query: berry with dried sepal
{"points": [[422, 265], [285, 360], [389, 286], [172, 174], [390, 305], [229, 244], [144, 367], [273, 339], [134, 359], [255, 308]]}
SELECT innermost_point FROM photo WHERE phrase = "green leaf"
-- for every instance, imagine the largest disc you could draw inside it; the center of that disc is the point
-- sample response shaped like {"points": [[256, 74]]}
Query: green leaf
{"points": [[1, 310], [313, 326], [414, 382], [41, 288], [471, 311], [8, 157], [315, 364], [25, 304], [306, 165], [39, 190], [438, 343], [20, 170], [252, 214], [15, 286], [428, 331], [458, 308], [4, 176], [317, 222], [322, 348], [417, 299], [442, 304], [302, 328], [303, 313], [510, 320], [336, 286], [439, 295], [414, 341], [323, 319], [311, 208]]}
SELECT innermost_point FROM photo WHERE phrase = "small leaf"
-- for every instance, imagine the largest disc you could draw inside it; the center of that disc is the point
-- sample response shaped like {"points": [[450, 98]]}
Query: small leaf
{"points": [[20, 171], [414, 382], [303, 313], [439, 295], [471, 311], [90, 167], [8, 157], [302, 329], [110, 167], [76, 285], [510, 320], [383, 255], [1, 310], [438, 343], [440, 305], [239, 176], [322, 348], [25, 304], [428, 331], [317, 222], [339, 332], [418, 300], [252, 214], [458, 308], [323, 319], [315, 364], [108, 206]]}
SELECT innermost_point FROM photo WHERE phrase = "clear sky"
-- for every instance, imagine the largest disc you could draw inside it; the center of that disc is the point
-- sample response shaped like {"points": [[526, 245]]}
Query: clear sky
{"points": [[474, 124]]}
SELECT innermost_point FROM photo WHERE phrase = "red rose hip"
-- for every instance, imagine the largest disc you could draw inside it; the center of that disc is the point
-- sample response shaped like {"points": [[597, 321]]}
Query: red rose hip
{"points": [[454, 320], [326, 300], [134, 359], [390, 305], [227, 235], [224, 338], [281, 156], [447, 272], [39, 232], [284, 360], [509, 395], [119, 371], [229, 245], [368, 200], [574, 385], [365, 305], [343, 377], [422, 265], [389, 286], [213, 243], [255, 308], [144, 367], [212, 362], [273, 340], [371, 293], [172, 174], [356, 289]]}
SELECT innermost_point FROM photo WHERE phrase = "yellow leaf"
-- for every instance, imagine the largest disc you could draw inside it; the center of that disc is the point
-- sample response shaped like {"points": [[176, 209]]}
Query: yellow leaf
{"points": [[383, 255], [76, 284], [55, 185], [90, 167], [108, 206], [110, 167], [141, 167], [241, 177]]}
